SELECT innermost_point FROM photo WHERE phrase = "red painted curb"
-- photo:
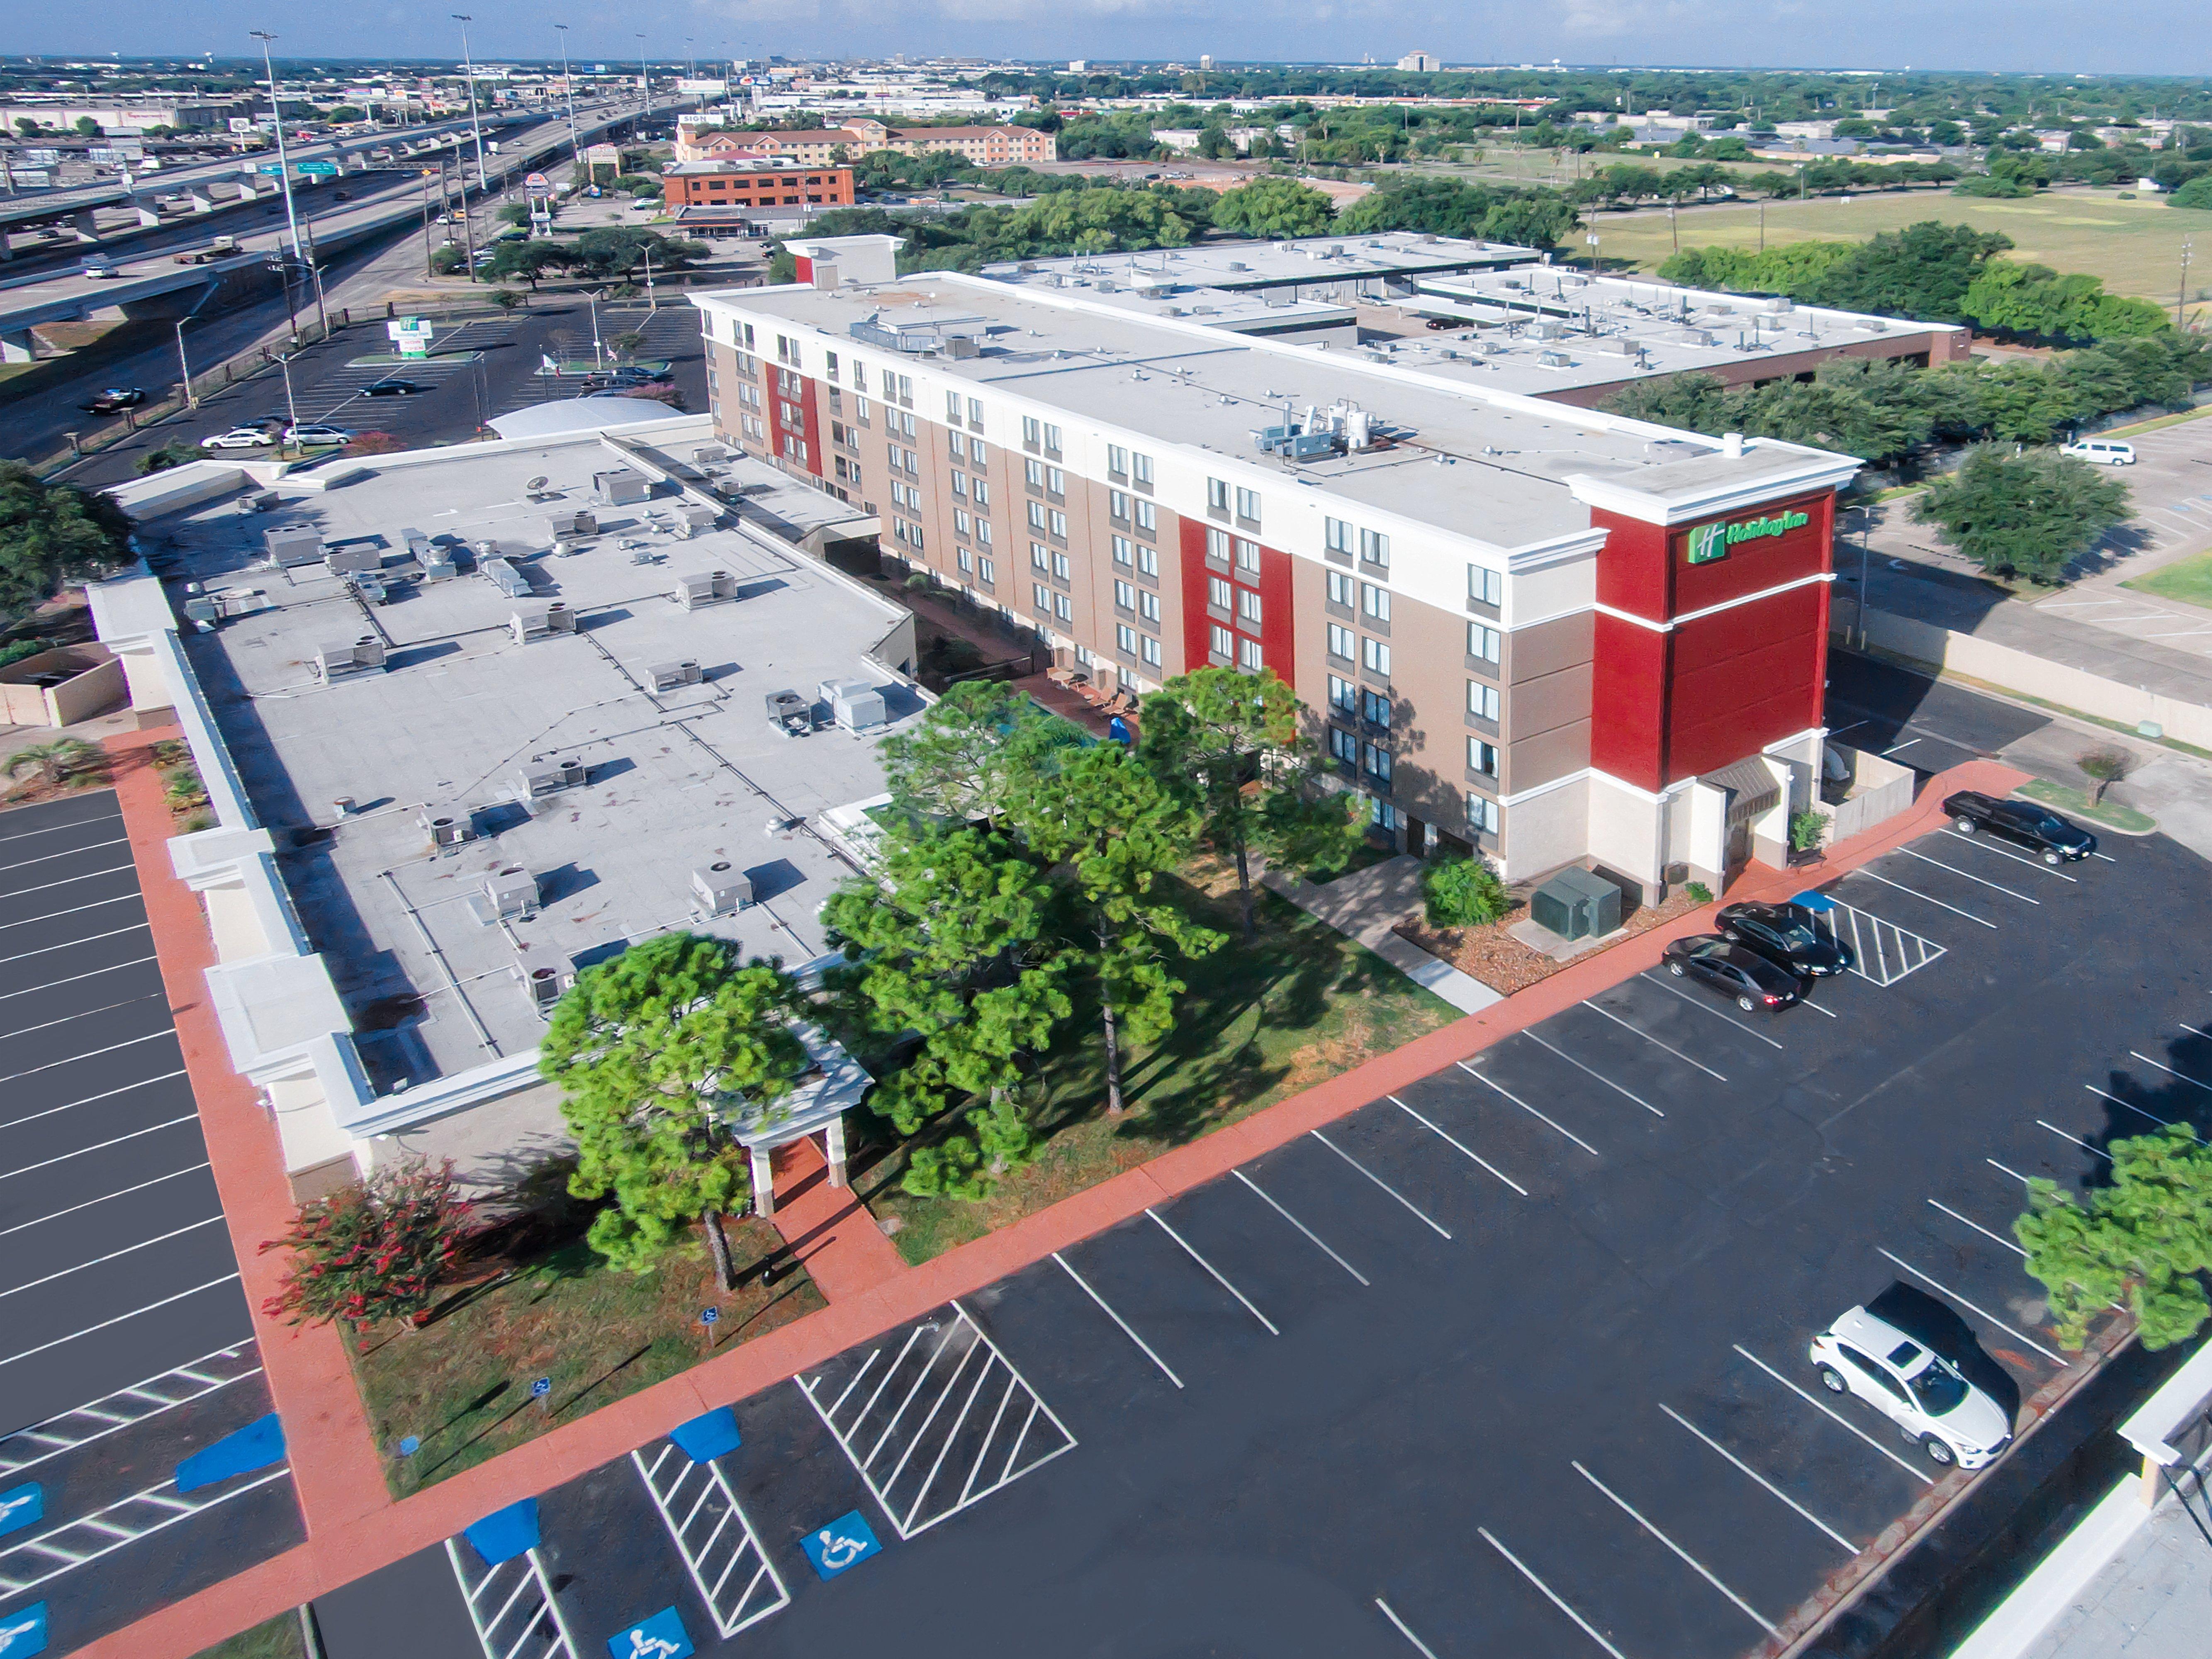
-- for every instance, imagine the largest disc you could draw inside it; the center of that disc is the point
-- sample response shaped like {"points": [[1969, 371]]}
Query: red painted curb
{"points": [[347, 1541]]}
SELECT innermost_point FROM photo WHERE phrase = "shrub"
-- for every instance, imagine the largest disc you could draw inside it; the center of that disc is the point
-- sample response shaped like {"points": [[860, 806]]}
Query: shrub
{"points": [[1463, 893], [176, 453], [379, 1249], [1698, 892], [16, 650], [2104, 766], [1806, 829]]}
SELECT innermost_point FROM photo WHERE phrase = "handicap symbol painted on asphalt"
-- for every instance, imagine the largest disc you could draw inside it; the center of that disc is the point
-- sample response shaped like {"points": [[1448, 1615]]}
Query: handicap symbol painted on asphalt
{"points": [[22, 1634], [661, 1637], [845, 1542], [20, 1505]]}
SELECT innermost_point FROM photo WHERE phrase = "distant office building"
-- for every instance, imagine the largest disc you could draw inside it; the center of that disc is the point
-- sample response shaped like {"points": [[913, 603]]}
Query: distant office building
{"points": [[757, 182], [1423, 63]]}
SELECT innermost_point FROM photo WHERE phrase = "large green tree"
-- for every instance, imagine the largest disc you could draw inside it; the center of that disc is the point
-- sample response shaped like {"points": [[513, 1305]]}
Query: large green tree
{"points": [[1117, 830], [1230, 744], [653, 1050], [973, 752], [53, 535], [2032, 513], [2142, 1240], [1274, 207]]}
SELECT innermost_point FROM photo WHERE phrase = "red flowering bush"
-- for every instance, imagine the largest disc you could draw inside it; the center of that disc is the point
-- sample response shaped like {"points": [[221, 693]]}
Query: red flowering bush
{"points": [[379, 1249]]}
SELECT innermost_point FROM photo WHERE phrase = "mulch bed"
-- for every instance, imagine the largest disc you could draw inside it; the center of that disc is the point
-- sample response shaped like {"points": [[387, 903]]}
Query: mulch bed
{"points": [[1503, 963]]}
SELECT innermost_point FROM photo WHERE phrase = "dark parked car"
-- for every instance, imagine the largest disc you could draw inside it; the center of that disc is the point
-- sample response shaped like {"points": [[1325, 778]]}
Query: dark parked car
{"points": [[1746, 978], [633, 375], [1447, 322], [115, 400], [394, 388], [1785, 936], [2022, 821]]}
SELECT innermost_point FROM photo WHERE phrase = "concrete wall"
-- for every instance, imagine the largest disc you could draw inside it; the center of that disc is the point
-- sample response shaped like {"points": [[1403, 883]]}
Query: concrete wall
{"points": [[95, 684], [1881, 789]]}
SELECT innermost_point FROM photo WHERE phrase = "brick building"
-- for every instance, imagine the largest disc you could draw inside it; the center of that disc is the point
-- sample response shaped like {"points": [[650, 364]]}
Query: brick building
{"points": [[760, 182], [988, 147]]}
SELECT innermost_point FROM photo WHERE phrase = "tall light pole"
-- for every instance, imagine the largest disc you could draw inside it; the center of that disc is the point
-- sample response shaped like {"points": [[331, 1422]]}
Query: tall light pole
{"points": [[644, 83], [2181, 298], [569, 92], [469, 67], [690, 60], [283, 163]]}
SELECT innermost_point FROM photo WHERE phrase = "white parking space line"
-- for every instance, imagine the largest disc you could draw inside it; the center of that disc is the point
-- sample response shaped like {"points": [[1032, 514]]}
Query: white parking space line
{"points": [[1219, 1278], [1420, 1646], [1696, 1565], [67, 851], [1988, 846], [60, 1550], [2106, 857], [55, 916], [1526, 1106], [1700, 1002], [123, 1191], [66, 881], [26, 1449], [1849, 1547], [2163, 1122], [2015, 1174], [1655, 1041], [1968, 875], [538, 1615], [112, 1255], [105, 1008], [1829, 1412], [2008, 1330], [1897, 749], [57, 828], [1550, 1594], [2170, 1072], [1456, 1146], [1107, 1307], [704, 1535], [1411, 1208], [1808, 1002], [1265, 1198], [91, 1053], [105, 1094], [1994, 1238], [61, 1341], [64, 1158], [2076, 1139], [1599, 1076], [1917, 893], [71, 944]]}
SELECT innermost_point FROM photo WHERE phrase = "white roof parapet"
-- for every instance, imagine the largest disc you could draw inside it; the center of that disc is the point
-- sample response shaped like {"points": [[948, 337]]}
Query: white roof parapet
{"points": [[2181, 1407]]}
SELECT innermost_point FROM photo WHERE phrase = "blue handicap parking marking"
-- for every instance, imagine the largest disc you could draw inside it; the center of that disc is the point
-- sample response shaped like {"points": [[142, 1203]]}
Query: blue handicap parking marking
{"points": [[21, 1505], [708, 1436], [1812, 900], [505, 1533], [256, 1446], [22, 1634], [661, 1637], [845, 1542]]}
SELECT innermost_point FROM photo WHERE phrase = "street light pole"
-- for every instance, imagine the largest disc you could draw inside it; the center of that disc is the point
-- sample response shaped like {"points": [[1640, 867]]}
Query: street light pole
{"points": [[469, 68], [569, 92], [644, 85], [283, 162], [184, 365], [2181, 297]]}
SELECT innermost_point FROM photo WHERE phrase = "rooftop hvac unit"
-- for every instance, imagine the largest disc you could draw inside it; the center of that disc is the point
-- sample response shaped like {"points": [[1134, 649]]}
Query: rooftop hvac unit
{"points": [[711, 454], [418, 544], [707, 587], [697, 516], [1491, 348], [535, 621], [572, 526], [204, 608], [855, 705], [1695, 337], [790, 714], [295, 546], [1238, 264], [370, 588], [448, 826], [343, 658], [1575, 904], [1554, 360], [437, 565], [1268, 439], [667, 675], [546, 985], [1767, 322], [505, 577], [1548, 330], [345, 561], [1310, 446], [1617, 346], [540, 778], [721, 889], [509, 895], [622, 486]]}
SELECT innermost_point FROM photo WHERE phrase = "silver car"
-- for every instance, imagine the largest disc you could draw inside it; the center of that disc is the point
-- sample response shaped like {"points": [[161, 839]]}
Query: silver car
{"points": [[1921, 1392]]}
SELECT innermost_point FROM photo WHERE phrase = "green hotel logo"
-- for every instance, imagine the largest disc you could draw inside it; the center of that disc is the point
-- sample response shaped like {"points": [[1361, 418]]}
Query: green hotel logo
{"points": [[1709, 542]]}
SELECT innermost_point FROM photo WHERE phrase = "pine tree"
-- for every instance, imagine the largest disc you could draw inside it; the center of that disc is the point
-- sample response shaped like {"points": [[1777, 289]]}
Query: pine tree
{"points": [[653, 1050], [973, 752], [2141, 1241]]}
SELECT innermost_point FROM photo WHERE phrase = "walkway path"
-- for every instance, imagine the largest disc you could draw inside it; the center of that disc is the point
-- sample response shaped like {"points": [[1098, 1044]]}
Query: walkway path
{"points": [[828, 1228], [1366, 905], [335, 1462]]}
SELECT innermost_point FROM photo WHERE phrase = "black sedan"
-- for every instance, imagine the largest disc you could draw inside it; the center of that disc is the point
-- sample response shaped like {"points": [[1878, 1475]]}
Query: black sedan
{"points": [[394, 388], [1785, 935], [1746, 978], [2023, 821], [115, 400]]}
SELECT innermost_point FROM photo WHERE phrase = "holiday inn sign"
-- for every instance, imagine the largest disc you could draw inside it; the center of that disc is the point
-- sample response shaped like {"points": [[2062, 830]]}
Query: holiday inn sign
{"points": [[1709, 542]]}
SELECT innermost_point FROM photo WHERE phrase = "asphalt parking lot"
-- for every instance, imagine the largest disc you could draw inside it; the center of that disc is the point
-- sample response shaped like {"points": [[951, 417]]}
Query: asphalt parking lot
{"points": [[1513, 1361], [1918, 722], [125, 1343]]}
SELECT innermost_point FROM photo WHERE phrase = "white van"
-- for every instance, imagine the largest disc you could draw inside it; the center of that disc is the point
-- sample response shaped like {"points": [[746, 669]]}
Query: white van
{"points": [[2104, 451]]}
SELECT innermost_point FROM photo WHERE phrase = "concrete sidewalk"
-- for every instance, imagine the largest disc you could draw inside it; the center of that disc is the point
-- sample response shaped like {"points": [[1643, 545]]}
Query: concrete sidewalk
{"points": [[1366, 905]]}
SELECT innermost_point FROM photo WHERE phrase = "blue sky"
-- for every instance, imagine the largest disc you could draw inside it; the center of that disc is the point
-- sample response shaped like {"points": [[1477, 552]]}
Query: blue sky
{"points": [[2161, 37]]}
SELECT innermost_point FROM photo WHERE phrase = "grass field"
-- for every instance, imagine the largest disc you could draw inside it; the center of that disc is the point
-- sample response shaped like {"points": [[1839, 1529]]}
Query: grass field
{"points": [[2187, 580], [275, 1638], [2135, 247]]}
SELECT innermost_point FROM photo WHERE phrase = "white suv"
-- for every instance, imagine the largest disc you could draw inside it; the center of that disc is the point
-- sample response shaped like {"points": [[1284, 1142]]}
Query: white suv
{"points": [[1921, 1393]]}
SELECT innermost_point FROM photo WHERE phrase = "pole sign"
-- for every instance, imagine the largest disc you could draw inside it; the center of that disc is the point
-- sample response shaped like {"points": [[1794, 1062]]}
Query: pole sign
{"points": [[538, 185], [1709, 542], [411, 335]]}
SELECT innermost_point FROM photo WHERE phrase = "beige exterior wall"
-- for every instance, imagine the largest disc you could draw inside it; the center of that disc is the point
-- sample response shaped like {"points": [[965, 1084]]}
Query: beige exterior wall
{"points": [[1547, 831]]}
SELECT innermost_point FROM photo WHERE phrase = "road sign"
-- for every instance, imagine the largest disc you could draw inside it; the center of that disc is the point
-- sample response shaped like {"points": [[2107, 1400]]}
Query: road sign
{"points": [[274, 170], [317, 169], [21, 1505], [661, 1637], [843, 1544], [707, 1316]]}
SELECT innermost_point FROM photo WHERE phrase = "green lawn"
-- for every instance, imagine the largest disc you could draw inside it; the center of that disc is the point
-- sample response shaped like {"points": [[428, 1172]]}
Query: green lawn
{"points": [[461, 1384], [2187, 580], [1256, 1026], [2108, 812], [274, 1638]]}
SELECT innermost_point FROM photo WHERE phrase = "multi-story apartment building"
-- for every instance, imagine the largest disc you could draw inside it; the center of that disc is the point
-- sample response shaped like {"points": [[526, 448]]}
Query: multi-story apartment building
{"points": [[990, 147], [1541, 630]]}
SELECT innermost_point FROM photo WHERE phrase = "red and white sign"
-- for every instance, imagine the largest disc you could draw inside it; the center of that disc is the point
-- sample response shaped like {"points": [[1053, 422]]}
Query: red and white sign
{"points": [[537, 184]]}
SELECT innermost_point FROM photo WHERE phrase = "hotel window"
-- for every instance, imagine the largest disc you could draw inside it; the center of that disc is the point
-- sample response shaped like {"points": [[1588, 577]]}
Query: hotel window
{"points": [[1141, 470], [1032, 430], [1059, 525], [1059, 567], [1485, 586], [1481, 701], [1343, 696], [1035, 471], [1217, 543], [906, 424], [860, 405], [1222, 641], [1375, 548], [1121, 549], [1217, 594], [1343, 746], [786, 350], [964, 559], [1055, 481], [952, 406], [1063, 607], [962, 524], [1117, 506], [1125, 637], [1375, 762], [1340, 589], [1375, 706], [1216, 495], [1248, 607], [1247, 505], [1248, 655], [1051, 439], [1152, 651], [1036, 515], [1043, 596], [1342, 642], [1148, 607], [1148, 519], [1481, 813], [1482, 642], [1117, 461], [1338, 534], [987, 571], [1248, 558], [957, 445], [960, 483], [1375, 654], [1375, 601], [976, 411], [982, 491], [830, 358], [1482, 757], [1125, 596], [978, 454], [1040, 556], [1148, 561], [983, 531]]}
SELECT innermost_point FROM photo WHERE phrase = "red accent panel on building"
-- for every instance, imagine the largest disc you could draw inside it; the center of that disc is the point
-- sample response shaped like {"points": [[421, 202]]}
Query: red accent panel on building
{"points": [[1196, 625], [1632, 570], [1750, 566], [1628, 701], [1278, 637], [1742, 679], [805, 267], [810, 407]]}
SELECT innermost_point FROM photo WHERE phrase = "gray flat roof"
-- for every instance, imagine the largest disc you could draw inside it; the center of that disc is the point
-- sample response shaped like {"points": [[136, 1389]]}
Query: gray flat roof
{"points": [[675, 780], [1299, 260]]}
